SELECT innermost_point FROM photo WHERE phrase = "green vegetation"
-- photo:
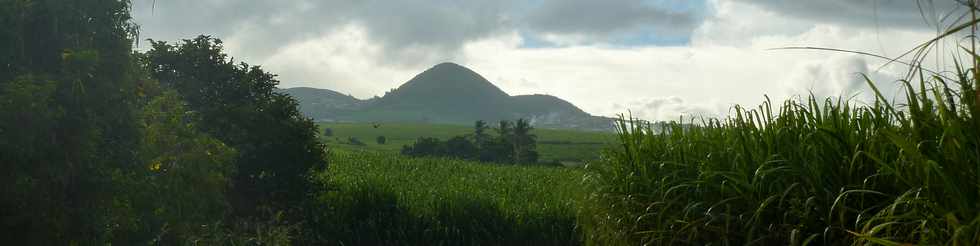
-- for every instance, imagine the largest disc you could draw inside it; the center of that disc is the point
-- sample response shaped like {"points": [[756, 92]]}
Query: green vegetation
{"points": [[374, 197], [180, 145], [101, 145], [513, 144], [814, 172], [237, 105], [569, 146]]}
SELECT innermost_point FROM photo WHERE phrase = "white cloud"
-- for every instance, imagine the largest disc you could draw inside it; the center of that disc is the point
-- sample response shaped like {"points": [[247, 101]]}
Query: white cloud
{"points": [[719, 69], [839, 76], [671, 109], [345, 60]]}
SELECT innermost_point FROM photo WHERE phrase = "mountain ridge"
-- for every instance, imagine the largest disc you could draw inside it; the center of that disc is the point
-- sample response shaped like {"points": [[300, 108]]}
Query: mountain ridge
{"points": [[446, 93]]}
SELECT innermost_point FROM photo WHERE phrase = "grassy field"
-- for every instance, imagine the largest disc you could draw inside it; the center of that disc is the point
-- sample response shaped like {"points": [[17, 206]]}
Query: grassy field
{"points": [[553, 145], [380, 198]]}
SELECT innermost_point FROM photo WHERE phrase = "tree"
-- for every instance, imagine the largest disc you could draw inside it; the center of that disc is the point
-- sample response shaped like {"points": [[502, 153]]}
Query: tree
{"points": [[381, 140], [327, 132], [277, 146], [499, 149], [480, 136], [514, 144], [505, 129], [186, 176], [524, 142], [68, 102]]}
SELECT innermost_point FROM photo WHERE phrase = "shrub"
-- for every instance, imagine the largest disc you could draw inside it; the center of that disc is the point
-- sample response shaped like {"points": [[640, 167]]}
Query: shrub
{"points": [[425, 146]]}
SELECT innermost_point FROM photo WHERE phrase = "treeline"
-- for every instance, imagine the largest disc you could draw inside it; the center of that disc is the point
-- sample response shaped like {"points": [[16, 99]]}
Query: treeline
{"points": [[103, 145], [514, 143]]}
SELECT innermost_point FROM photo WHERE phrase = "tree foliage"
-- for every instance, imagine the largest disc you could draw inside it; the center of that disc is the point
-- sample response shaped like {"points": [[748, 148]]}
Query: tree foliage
{"points": [[514, 144], [94, 150], [185, 172], [238, 105], [68, 110]]}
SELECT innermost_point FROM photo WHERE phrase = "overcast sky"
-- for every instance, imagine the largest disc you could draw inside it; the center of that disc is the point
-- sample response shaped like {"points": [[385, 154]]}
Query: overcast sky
{"points": [[659, 59]]}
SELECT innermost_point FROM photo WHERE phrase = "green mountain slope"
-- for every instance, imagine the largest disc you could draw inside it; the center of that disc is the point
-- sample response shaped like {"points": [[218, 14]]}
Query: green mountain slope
{"points": [[323, 104], [446, 93]]}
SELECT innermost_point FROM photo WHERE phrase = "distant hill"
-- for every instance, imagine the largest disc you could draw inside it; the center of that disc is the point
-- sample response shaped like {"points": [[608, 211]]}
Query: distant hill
{"points": [[322, 103], [446, 93]]}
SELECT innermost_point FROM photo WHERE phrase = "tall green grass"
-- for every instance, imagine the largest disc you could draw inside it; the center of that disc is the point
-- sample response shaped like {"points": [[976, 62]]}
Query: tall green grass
{"points": [[373, 198], [806, 172], [813, 172]]}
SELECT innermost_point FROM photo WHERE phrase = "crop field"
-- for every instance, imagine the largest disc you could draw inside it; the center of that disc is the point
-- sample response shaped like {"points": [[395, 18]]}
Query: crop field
{"points": [[816, 172], [553, 145], [380, 198]]}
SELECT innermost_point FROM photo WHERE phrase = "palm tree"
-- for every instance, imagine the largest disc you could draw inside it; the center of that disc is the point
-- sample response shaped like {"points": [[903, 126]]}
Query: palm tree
{"points": [[480, 136], [523, 141], [505, 130]]}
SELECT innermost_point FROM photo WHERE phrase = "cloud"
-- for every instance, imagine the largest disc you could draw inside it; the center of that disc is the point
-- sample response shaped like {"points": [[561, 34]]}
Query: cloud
{"points": [[408, 28], [710, 74], [345, 60], [669, 108], [410, 31], [603, 56], [262, 26], [587, 21], [906, 14], [839, 76]]}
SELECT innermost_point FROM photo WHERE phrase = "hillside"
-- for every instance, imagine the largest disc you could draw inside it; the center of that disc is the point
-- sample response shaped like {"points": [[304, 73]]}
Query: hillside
{"points": [[448, 94], [320, 104]]}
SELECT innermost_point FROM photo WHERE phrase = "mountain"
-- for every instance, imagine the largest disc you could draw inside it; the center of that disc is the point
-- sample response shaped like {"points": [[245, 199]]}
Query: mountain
{"points": [[322, 103], [446, 93]]}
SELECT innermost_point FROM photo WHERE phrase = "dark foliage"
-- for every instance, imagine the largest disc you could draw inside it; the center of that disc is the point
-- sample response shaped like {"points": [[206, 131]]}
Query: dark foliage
{"points": [[461, 147], [94, 150], [238, 105], [513, 144], [425, 146], [381, 140], [68, 100]]}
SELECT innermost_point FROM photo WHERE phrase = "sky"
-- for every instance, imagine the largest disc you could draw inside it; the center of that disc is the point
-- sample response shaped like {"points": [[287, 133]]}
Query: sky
{"points": [[654, 59]]}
